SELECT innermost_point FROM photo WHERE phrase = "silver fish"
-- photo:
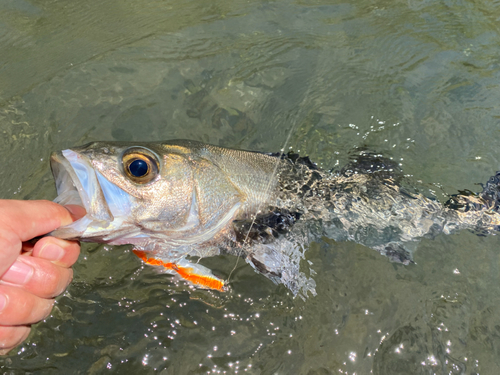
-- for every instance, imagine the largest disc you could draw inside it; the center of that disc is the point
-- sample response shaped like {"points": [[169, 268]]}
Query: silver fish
{"points": [[180, 199]]}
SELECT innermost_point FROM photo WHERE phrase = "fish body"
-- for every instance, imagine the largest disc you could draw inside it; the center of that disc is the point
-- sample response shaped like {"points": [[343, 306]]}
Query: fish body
{"points": [[190, 195], [180, 199]]}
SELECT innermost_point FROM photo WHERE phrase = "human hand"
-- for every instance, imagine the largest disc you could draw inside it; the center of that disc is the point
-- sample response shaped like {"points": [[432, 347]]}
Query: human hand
{"points": [[32, 275]]}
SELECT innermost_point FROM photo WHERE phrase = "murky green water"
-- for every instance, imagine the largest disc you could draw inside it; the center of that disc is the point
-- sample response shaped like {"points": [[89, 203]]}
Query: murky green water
{"points": [[415, 80]]}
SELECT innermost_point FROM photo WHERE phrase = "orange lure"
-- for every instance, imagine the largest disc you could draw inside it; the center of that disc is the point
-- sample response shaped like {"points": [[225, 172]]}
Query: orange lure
{"points": [[185, 272]]}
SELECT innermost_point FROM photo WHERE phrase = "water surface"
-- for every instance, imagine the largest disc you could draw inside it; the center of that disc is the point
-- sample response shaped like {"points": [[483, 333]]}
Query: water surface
{"points": [[417, 81]]}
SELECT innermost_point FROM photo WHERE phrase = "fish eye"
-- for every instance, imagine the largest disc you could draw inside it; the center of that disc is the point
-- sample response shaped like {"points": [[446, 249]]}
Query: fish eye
{"points": [[139, 166]]}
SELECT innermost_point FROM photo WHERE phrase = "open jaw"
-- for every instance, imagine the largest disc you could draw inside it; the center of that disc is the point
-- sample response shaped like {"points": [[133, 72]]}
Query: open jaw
{"points": [[78, 183]]}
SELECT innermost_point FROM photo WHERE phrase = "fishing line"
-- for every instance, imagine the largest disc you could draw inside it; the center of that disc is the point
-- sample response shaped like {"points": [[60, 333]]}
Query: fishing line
{"points": [[268, 187], [294, 123]]}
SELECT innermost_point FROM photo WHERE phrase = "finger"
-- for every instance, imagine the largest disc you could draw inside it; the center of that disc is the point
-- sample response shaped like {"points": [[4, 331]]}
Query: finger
{"points": [[76, 212], [23, 220], [10, 337], [60, 252], [38, 276], [22, 307], [28, 219]]}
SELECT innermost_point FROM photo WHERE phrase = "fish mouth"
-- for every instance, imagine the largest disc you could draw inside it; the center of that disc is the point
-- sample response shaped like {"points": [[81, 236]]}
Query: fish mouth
{"points": [[78, 183]]}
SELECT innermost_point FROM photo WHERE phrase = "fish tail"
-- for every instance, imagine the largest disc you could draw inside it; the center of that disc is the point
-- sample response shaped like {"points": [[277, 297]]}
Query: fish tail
{"points": [[194, 273], [478, 211], [491, 192]]}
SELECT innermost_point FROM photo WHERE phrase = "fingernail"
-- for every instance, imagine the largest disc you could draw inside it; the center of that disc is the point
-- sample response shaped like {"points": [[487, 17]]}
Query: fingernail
{"points": [[3, 302], [76, 211], [51, 252], [19, 273]]}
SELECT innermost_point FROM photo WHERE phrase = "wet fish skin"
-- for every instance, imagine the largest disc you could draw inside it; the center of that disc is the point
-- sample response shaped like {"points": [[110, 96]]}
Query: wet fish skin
{"points": [[201, 200], [197, 187], [369, 202]]}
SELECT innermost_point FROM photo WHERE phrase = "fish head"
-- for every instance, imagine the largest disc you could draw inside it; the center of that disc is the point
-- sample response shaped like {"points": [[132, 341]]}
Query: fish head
{"points": [[143, 194]]}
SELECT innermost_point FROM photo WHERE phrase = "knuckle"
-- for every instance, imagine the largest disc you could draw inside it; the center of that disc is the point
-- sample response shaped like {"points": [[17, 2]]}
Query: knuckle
{"points": [[11, 336], [23, 307], [49, 279], [52, 283], [45, 309], [63, 281], [19, 306]]}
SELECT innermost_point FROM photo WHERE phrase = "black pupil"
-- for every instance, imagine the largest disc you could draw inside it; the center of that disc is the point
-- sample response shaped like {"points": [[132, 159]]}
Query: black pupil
{"points": [[138, 168]]}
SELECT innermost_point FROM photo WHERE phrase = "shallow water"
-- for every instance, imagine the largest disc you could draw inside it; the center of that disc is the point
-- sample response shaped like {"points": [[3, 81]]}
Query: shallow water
{"points": [[417, 81]]}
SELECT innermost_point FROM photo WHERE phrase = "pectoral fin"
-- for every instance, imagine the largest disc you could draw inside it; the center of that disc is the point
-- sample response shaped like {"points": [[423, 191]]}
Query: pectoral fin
{"points": [[265, 228], [194, 273]]}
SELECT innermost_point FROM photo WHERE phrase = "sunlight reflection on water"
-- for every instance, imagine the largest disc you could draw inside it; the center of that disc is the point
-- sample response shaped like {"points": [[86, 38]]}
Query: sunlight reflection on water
{"points": [[416, 81]]}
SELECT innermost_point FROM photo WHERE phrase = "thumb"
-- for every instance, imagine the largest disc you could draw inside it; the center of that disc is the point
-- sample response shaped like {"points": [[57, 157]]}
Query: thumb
{"points": [[22, 220]]}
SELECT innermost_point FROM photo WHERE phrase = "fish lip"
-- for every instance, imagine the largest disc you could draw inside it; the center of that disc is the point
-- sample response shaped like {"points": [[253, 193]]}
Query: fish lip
{"points": [[67, 182], [71, 190]]}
